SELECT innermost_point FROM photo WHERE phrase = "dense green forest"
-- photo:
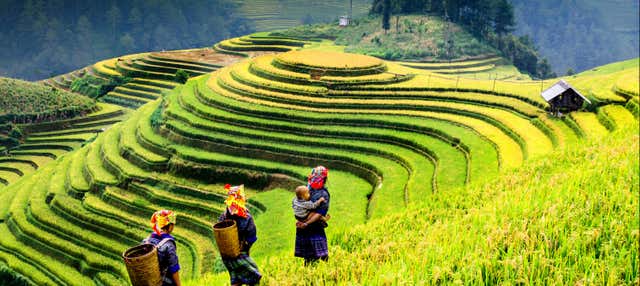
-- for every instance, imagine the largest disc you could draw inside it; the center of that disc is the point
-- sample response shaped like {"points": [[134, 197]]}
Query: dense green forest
{"points": [[580, 34], [44, 38], [490, 21]]}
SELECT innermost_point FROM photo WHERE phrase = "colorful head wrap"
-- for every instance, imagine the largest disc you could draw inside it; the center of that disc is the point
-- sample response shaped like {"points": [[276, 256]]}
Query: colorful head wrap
{"points": [[317, 177], [236, 201], [161, 219]]}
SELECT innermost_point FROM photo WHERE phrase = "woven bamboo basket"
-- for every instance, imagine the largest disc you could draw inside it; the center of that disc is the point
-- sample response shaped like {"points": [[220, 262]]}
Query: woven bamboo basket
{"points": [[226, 234], [142, 265]]}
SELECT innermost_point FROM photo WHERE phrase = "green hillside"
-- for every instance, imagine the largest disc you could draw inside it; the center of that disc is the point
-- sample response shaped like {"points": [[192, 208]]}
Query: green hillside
{"points": [[411, 37], [533, 225], [269, 15], [401, 140], [22, 101]]}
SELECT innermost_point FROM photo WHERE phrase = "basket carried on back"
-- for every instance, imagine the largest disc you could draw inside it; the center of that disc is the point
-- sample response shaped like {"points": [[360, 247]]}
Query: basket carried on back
{"points": [[226, 234], [142, 265]]}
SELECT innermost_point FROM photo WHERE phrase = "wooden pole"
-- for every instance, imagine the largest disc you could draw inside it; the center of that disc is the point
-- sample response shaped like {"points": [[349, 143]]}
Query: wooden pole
{"points": [[495, 77]]}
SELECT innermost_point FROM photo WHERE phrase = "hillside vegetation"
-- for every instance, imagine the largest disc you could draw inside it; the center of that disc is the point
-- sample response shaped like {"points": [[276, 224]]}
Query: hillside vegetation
{"points": [[22, 101], [411, 37], [568, 218]]}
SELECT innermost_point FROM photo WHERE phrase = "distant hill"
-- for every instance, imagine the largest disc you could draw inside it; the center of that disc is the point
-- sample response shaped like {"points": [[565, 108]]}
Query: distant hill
{"points": [[267, 15], [580, 34]]}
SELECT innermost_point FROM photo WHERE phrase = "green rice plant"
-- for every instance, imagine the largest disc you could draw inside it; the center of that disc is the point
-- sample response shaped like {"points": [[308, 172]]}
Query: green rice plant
{"points": [[19, 167], [242, 74], [127, 68], [24, 267], [589, 124], [124, 100], [192, 248], [563, 134], [451, 65], [39, 161], [627, 84], [62, 252], [231, 46], [171, 60], [8, 177], [154, 82], [469, 70], [160, 68], [95, 172], [491, 132], [187, 204], [332, 63], [263, 67], [54, 270], [533, 139], [24, 102], [179, 64], [98, 252], [73, 138], [599, 87], [395, 175], [471, 97], [633, 106], [157, 91], [102, 69], [136, 153], [433, 148], [132, 92], [619, 116], [113, 160], [429, 125], [75, 181], [509, 236]]}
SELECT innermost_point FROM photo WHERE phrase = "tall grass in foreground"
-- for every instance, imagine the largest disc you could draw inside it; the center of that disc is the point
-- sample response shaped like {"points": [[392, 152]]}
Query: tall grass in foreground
{"points": [[570, 218]]}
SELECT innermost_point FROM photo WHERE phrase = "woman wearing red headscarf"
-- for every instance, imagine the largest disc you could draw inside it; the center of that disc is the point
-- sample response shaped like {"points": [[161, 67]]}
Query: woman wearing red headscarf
{"points": [[242, 269], [311, 240], [162, 223]]}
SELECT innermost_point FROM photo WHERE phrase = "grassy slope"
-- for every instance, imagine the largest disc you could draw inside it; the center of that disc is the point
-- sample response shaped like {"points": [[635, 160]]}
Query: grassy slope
{"points": [[24, 98], [569, 218], [417, 37]]}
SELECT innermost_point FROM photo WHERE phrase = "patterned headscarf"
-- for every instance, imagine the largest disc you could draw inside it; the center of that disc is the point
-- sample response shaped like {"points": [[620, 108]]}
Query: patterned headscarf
{"points": [[161, 219], [317, 177], [236, 201]]}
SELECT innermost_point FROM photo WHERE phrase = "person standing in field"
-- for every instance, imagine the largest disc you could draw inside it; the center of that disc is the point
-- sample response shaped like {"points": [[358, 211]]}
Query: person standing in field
{"points": [[162, 223], [311, 240], [242, 269]]}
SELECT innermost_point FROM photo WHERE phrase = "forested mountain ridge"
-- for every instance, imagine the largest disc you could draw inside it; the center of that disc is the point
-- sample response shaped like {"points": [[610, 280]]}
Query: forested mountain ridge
{"points": [[490, 22], [580, 34], [45, 38]]}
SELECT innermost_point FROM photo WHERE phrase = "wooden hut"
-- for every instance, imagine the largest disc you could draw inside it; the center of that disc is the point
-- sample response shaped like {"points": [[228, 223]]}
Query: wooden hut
{"points": [[563, 98]]}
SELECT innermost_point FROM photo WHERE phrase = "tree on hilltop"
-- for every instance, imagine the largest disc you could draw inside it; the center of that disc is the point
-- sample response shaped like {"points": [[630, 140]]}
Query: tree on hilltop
{"points": [[386, 15]]}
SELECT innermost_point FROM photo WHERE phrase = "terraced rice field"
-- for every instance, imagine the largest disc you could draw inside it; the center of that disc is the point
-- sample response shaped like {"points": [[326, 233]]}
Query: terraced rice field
{"points": [[389, 140], [47, 141]]}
